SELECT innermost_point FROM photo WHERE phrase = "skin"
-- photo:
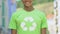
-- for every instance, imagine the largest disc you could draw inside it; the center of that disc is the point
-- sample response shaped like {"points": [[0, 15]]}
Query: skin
{"points": [[13, 31], [43, 31], [28, 7]]}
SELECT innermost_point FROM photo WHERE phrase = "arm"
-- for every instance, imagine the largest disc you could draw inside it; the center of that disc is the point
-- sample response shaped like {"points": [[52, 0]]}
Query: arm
{"points": [[43, 30], [43, 24], [12, 25], [13, 31]]}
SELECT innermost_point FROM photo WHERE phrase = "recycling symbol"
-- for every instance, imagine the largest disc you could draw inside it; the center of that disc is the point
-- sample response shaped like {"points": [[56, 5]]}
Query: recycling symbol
{"points": [[32, 27]]}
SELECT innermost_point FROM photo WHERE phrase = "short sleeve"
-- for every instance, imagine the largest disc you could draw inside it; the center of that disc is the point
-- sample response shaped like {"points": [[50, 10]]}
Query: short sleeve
{"points": [[12, 24], [44, 21]]}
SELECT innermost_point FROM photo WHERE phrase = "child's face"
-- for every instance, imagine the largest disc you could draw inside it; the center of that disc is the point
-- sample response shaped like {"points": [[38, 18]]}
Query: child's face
{"points": [[27, 3]]}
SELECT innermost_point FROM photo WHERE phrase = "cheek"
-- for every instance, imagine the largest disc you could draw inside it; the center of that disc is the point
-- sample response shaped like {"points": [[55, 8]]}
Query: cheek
{"points": [[31, 3]]}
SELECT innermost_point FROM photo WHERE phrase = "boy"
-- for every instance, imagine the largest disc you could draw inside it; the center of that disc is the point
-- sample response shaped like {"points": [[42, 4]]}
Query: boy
{"points": [[28, 20]]}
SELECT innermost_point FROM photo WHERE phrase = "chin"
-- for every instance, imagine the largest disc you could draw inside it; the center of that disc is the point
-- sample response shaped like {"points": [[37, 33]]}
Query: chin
{"points": [[27, 6]]}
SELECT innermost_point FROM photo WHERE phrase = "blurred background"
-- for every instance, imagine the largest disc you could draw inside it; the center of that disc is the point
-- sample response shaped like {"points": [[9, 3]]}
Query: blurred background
{"points": [[7, 7]]}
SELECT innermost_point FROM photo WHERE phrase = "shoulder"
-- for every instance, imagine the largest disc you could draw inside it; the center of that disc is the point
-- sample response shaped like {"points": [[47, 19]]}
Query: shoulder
{"points": [[40, 12], [18, 11]]}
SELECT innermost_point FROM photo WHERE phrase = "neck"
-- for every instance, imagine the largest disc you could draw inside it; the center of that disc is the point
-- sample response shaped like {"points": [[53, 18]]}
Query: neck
{"points": [[28, 8]]}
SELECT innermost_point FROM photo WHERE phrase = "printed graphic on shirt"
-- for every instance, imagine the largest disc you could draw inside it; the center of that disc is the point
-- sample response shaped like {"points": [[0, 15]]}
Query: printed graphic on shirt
{"points": [[28, 20]]}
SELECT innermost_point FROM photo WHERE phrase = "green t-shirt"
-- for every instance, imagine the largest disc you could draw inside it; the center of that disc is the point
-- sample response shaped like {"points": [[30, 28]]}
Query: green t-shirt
{"points": [[28, 22]]}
